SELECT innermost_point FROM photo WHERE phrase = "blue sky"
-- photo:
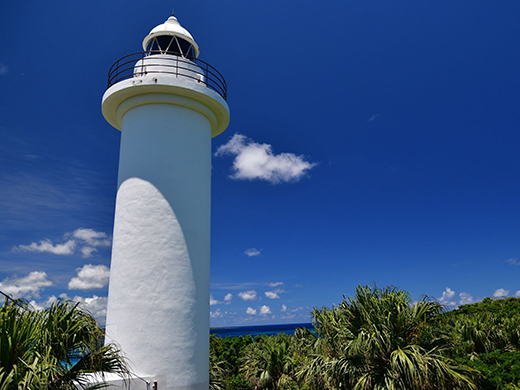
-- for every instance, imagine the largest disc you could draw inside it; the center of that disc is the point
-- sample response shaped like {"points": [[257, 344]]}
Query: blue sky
{"points": [[369, 141]]}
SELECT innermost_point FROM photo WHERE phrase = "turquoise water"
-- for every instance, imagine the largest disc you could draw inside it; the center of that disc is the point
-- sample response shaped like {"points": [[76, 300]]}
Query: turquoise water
{"points": [[257, 330]]}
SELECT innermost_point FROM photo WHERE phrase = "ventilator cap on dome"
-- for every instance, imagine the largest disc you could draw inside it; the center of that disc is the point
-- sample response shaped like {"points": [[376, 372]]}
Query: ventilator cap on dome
{"points": [[171, 38]]}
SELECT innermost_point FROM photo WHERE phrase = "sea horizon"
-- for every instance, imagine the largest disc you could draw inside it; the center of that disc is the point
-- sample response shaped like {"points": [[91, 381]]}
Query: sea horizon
{"points": [[257, 330]]}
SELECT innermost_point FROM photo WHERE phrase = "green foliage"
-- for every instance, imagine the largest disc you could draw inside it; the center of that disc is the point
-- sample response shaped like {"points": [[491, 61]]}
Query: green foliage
{"points": [[268, 362], [225, 354], [481, 332], [500, 370], [503, 307], [381, 339], [238, 382], [229, 350], [53, 349], [217, 373], [485, 336]]}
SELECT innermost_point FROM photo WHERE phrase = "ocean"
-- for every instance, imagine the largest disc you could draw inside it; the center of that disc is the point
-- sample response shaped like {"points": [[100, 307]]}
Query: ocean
{"points": [[257, 330]]}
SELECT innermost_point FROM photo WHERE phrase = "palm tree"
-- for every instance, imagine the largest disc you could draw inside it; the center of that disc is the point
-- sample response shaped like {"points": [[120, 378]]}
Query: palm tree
{"points": [[269, 362], [53, 349], [380, 340]]}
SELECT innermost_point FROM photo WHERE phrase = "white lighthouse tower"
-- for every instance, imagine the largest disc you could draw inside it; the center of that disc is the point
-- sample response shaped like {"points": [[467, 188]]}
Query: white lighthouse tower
{"points": [[168, 105]]}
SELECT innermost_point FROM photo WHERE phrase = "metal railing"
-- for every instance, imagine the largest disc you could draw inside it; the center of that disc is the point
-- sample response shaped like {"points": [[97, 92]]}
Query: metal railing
{"points": [[156, 63]]}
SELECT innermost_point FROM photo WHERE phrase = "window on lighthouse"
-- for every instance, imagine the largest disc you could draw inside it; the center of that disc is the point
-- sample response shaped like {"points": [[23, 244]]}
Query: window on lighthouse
{"points": [[167, 44]]}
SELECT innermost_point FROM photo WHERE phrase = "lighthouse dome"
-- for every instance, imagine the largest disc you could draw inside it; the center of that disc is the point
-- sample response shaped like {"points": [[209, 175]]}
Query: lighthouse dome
{"points": [[171, 38]]}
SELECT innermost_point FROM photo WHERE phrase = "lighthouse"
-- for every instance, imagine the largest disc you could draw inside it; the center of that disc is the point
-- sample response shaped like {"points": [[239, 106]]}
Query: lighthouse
{"points": [[168, 104]]}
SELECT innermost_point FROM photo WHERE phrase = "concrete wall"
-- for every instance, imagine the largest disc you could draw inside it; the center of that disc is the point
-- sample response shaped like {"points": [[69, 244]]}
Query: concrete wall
{"points": [[158, 307]]}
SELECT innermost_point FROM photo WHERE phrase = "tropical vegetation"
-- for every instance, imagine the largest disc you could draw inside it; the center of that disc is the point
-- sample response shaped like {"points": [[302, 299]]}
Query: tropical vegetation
{"points": [[378, 339], [381, 339], [56, 348]]}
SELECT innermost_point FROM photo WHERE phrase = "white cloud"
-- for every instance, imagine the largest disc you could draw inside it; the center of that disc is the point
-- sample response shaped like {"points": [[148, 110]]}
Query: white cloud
{"points": [[4, 69], [248, 295], [274, 294], [215, 314], [300, 313], [44, 304], [50, 301], [274, 284], [265, 310], [92, 237], [87, 251], [284, 309], [35, 306], [97, 306], [517, 294], [252, 252], [373, 118], [513, 261], [46, 246], [500, 293], [86, 239], [232, 286], [251, 311], [465, 298], [89, 277], [257, 161], [226, 301], [447, 297], [26, 287]]}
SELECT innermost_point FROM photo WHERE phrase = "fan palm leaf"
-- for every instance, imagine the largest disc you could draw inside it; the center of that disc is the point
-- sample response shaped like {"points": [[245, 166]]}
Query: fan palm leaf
{"points": [[56, 348]]}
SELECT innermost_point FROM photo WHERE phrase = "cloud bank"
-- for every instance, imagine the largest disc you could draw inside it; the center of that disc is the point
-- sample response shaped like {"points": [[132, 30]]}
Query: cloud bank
{"points": [[448, 298], [25, 287]]}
